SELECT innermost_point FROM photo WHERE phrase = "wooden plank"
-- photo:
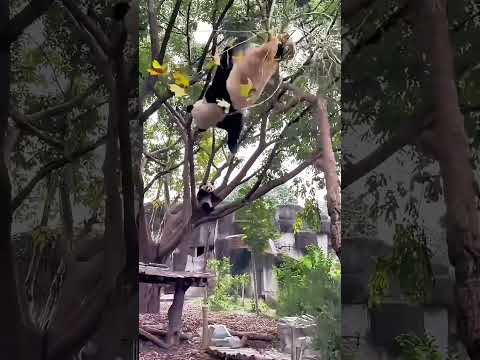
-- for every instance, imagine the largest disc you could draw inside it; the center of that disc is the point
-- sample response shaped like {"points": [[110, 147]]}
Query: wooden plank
{"points": [[157, 275], [244, 354]]}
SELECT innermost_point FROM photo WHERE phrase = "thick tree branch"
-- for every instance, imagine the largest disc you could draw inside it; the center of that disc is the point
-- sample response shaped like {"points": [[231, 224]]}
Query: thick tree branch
{"points": [[405, 135], [10, 31], [154, 29], [352, 7], [22, 123]]}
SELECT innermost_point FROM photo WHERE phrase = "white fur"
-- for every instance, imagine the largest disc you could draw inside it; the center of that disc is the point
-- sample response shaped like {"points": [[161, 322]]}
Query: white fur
{"points": [[207, 115]]}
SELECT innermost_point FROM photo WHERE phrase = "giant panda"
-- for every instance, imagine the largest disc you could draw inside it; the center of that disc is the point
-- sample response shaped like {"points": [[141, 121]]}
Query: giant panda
{"points": [[206, 197], [257, 65]]}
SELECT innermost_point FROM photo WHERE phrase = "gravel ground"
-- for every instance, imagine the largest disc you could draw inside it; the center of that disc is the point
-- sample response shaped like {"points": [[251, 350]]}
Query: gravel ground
{"points": [[192, 322]]}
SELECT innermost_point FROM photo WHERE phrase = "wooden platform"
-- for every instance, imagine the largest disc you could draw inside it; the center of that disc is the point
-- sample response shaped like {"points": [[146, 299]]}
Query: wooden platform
{"points": [[245, 354], [149, 273]]}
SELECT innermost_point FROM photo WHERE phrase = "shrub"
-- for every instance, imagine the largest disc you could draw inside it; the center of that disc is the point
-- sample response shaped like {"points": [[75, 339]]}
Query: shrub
{"points": [[311, 285]]}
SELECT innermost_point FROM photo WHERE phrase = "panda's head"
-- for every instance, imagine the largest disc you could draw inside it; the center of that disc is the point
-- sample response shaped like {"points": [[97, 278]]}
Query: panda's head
{"points": [[207, 187], [206, 197]]}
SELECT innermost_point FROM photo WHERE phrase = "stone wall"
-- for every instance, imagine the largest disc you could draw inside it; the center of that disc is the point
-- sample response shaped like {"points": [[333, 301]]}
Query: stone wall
{"points": [[370, 333]]}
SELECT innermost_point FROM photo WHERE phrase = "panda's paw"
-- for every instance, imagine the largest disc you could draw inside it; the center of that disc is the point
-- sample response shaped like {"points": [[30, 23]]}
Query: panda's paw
{"points": [[189, 108], [233, 148]]}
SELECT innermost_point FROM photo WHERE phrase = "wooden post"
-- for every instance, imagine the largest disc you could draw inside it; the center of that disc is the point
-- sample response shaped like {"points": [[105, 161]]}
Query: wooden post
{"points": [[243, 293], [293, 345], [205, 333]]}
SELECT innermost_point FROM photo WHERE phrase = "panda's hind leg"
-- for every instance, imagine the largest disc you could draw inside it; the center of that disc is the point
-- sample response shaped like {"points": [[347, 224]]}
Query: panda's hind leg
{"points": [[233, 124]]}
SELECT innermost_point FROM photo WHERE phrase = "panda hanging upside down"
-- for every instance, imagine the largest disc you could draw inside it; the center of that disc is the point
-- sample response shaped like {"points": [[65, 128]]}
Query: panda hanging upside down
{"points": [[223, 105]]}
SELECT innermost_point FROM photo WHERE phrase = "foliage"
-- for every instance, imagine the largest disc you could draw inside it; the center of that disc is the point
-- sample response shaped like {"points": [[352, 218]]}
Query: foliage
{"points": [[310, 217], [228, 287], [355, 218], [311, 285], [316, 29], [413, 347], [409, 263], [257, 221]]}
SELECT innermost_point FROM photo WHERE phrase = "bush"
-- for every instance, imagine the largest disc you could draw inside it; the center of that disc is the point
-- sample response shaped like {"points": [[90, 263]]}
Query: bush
{"points": [[228, 288], [412, 347], [311, 285]]}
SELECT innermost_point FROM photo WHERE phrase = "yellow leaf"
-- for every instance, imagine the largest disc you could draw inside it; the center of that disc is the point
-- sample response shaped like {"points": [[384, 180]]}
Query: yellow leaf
{"points": [[153, 72], [216, 59], [156, 204], [246, 89], [181, 79], [158, 69], [177, 90]]}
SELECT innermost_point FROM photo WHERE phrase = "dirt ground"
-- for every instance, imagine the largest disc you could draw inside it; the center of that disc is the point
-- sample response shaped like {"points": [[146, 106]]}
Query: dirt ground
{"points": [[192, 322]]}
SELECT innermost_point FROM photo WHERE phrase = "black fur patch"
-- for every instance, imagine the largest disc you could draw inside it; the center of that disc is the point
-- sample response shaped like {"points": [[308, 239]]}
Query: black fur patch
{"points": [[218, 87], [120, 10], [217, 90], [206, 199], [233, 124], [280, 52]]}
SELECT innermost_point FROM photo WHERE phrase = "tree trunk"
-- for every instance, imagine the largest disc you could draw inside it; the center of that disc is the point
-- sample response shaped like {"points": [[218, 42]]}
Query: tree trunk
{"points": [[175, 313], [328, 165], [255, 289], [11, 332], [448, 142], [149, 294]]}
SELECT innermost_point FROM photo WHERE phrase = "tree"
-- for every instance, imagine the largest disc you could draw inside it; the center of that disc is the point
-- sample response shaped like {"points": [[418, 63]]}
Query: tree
{"points": [[48, 134], [410, 124], [278, 131], [258, 227]]}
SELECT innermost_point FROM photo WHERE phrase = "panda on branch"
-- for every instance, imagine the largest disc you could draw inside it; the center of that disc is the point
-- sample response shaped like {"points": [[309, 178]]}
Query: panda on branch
{"points": [[224, 104], [206, 197]]}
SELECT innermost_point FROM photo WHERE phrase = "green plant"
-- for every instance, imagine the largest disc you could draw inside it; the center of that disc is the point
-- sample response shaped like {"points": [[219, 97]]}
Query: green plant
{"points": [[311, 285], [228, 288], [409, 263], [220, 300], [413, 347]]}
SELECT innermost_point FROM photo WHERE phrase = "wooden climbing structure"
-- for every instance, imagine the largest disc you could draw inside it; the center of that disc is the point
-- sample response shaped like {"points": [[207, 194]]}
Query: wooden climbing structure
{"points": [[182, 280]]}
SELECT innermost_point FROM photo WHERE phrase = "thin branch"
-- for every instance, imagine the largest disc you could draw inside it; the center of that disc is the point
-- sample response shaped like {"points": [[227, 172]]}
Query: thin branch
{"points": [[216, 26], [89, 24], [48, 168], [22, 123], [64, 107], [175, 115], [187, 34], [403, 136], [206, 176], [224, 191], [283, 179], [160, 174]]}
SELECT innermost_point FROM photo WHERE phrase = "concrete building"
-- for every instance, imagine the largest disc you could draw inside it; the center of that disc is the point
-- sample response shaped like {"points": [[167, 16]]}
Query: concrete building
{"points": [[223, 239]]}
